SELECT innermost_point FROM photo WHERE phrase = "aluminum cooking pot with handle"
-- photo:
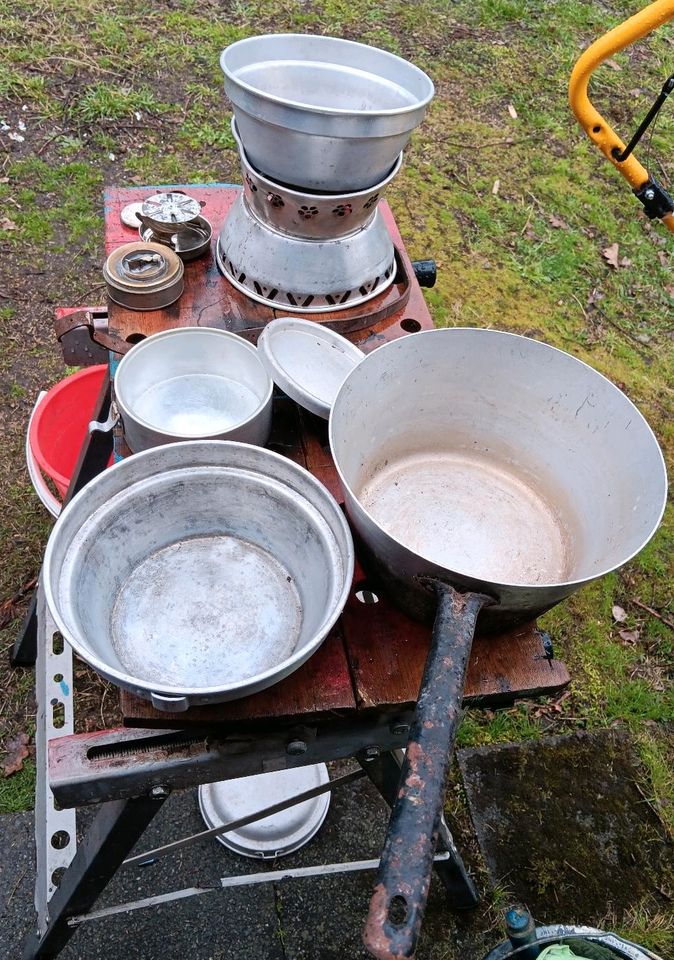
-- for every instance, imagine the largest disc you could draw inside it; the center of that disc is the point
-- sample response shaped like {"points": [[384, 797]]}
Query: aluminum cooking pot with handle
{"points": [[489, 476]]}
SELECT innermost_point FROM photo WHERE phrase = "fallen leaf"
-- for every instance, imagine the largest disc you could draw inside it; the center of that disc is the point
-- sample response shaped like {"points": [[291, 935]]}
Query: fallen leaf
{"points": [[4, 179], [643, 338], [663, 258], [610, 254], [618, 613], [629, 636], [612, 64], [670, 290], [7, 224], [636, 92], [17, 750], [558, 223], [512, 111], [495, 188], [625, 262]]}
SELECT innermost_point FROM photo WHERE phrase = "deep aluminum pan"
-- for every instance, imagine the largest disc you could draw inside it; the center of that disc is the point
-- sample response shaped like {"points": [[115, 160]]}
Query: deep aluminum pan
{"points": [[321, 113], [198, 572]]}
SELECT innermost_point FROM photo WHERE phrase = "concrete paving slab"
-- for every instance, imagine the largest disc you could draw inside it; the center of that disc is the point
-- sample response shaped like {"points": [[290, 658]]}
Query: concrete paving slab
{"points": [[563, 827]]}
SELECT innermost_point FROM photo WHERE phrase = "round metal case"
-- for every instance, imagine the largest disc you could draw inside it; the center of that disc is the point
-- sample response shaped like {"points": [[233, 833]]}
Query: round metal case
{"points": [[308, 361], [143, 276], [275, 836]]}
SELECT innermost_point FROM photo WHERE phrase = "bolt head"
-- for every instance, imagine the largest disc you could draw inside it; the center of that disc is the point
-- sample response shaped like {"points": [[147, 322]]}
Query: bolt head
{"points": [[649, 194], [399, 729], [159, 792], [296, 748], [371, 753]]}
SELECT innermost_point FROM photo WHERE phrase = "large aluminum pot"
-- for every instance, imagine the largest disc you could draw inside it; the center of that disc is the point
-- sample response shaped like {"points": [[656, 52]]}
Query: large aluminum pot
{"points": [[321, 113], [198, 572], [497, 462], [489, 476], [193, 383]]}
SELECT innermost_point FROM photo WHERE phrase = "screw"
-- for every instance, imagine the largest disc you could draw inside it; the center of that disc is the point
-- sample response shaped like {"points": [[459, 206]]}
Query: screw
{"points": [[296, 748], [649, 194], [399, 728], [371, 753], [158, 793]]}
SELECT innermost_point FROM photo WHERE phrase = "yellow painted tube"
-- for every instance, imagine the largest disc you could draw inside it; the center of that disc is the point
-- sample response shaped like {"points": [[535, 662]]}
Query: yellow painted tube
{"points": [[597, 129]]}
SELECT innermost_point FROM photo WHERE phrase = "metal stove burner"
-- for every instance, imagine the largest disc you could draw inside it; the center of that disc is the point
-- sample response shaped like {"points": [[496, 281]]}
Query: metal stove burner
{"points": [[302, 275]]}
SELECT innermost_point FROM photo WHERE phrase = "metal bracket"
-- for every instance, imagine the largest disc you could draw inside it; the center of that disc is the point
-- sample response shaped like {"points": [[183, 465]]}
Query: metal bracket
{"points": [[84, 336], [657, 202]]}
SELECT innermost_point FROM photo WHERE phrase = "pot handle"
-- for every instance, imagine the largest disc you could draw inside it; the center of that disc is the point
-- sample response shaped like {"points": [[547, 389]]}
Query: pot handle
{"points": [[399, 897], [105, 426], [169, 704]]}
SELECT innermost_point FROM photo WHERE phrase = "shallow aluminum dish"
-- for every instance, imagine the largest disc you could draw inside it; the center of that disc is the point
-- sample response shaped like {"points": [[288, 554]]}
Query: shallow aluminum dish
{"points": [[189, 241], [275, 836], [198, 572], [193, 383], [308, 361], [322, 113]]}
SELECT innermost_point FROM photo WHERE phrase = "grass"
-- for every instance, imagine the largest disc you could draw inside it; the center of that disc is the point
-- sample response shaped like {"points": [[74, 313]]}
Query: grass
{"points": [[524, 255]]}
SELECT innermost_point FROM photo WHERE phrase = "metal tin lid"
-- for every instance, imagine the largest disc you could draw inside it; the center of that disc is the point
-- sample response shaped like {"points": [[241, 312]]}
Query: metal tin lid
{"points": [[171, 208], [275, 836], [143, 268], [308, 361], [128, 214]]}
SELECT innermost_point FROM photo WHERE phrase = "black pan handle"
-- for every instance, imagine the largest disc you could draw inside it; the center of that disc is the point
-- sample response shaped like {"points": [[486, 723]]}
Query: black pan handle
{"points": [[399, 898]]}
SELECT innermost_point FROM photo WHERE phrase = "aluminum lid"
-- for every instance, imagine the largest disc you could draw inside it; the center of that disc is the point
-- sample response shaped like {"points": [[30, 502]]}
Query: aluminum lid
{"points": [[275, 836], [308, 361]]}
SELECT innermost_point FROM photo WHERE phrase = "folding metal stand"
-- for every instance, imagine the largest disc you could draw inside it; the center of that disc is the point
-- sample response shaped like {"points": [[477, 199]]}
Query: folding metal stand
{"points": [[86, 769]]}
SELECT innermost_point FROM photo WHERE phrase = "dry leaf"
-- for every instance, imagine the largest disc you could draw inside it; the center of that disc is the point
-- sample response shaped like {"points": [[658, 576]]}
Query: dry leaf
{"points": [[629, 636], [495, 188], [618, 613], [663, 258], [7, 224], [612, 64], [17, 750], [625, 262], [4, 179], [636, 92], [512, 111], [670, 290], [557, 222], [610, 254]]}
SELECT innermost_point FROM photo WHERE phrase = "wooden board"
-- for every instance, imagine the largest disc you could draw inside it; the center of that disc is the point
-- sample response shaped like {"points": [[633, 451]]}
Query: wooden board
{"points": [[375, 657], [210, 300]]}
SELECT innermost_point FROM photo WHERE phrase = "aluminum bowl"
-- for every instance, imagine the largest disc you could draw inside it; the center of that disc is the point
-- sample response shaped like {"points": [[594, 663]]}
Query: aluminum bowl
{"points": [[321, 113], [193, 383], [198, 572]]}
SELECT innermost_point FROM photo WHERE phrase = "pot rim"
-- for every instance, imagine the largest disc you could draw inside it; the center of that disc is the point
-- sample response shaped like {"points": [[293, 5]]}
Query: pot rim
{"points": [[494, 585], [328, 111], [127, 411]]}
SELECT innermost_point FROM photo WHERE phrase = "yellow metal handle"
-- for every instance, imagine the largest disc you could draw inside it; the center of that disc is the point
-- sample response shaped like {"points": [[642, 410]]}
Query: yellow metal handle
{"points": [[597, 129]]}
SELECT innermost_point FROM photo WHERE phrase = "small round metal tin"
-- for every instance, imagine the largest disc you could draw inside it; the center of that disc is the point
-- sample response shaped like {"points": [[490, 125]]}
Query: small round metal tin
{"points": [[144, 276], [308, 361], [275, 836]]}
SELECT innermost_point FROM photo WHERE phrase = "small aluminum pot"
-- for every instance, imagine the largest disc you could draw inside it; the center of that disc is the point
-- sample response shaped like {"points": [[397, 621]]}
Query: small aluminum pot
{"points": [[193, 383]]}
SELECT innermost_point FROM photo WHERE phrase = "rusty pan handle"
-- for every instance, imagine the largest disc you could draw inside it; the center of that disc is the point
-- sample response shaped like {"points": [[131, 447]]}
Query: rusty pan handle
{"points": [[399, 897]]}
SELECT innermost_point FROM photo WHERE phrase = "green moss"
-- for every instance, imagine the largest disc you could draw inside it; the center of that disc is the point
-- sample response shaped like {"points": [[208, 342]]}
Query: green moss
{"points": [[18, 791]]}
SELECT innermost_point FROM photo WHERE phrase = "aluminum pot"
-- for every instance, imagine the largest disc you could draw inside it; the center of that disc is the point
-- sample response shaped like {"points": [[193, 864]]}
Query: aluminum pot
{"points": [[193, 383], [322, 113], [488, 476], [198, 572]]}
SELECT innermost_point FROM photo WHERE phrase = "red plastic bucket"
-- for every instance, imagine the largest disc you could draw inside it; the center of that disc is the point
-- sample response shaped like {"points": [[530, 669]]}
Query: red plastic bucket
{"points": [[60, 422]]}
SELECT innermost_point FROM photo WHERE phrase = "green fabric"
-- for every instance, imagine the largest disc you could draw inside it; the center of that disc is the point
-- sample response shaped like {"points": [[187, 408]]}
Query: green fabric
{"points": [[559, 951]]}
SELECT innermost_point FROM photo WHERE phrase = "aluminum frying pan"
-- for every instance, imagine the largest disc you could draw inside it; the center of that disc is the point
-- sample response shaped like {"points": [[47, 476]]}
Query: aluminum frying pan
{"points": [[489, 476]]}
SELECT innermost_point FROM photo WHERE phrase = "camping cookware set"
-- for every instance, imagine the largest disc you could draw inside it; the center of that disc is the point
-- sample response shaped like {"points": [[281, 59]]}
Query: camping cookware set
{"points": [[488, 476]]}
